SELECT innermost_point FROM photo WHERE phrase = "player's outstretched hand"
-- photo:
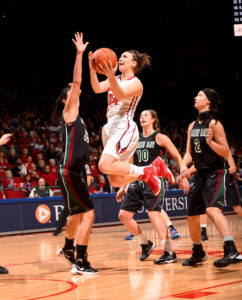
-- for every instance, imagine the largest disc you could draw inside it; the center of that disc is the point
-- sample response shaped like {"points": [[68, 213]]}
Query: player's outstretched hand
{"points": [[78, 41]]}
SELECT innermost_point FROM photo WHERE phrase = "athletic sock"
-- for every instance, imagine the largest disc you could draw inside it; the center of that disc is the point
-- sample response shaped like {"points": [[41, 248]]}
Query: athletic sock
{"points": [[69, 243], [228, 238], [197, 243], [134, 170], [170, 225], [81, 251], [167, 246]]}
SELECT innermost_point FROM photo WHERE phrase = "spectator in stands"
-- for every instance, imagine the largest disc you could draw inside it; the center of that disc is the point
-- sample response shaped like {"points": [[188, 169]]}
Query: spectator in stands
{"points": [[8, 181], [93, 188], [39, 156], [53, 167], [24, 141], [49, 176], [12, 157], [28, 162], [104, 185], [53, 138], [4, 165], [42, 190], [40, 166], [93, 167], [58, 147], [38, 145], [28, 185], [51, 152], [24, 154], [33, 172], [19, 170]]}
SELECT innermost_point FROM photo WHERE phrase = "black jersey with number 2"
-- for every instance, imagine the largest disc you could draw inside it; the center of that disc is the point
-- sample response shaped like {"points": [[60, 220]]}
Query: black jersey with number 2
{"points": [[204, 157]]}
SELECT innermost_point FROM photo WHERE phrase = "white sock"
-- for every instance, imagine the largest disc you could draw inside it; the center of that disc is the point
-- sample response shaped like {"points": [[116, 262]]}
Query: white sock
{"points": [[134, 170], [141, 239], [203, 225], [197, 242], [228, 238], [168, 224], [167, 246]]}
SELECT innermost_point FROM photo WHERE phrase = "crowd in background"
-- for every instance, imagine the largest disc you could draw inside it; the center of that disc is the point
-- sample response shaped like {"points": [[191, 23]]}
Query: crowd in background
{"points": [[35, 147]]}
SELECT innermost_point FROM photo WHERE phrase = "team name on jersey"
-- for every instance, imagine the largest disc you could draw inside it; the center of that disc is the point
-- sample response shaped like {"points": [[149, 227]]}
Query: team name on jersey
{"points": [[199, 132], [148, 144]]}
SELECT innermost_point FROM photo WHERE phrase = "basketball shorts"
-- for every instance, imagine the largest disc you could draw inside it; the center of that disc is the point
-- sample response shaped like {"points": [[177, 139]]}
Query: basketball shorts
{"points": [[140, 195], [233, 196], [120, 140], [208, 189], [74, 191]]}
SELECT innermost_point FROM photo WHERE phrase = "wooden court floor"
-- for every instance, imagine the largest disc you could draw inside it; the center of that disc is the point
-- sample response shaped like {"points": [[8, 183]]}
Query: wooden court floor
{"points": [[35, 272]]}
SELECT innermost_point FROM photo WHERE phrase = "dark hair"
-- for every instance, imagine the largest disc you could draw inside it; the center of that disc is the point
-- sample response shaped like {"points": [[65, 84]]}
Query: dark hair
{"points": [[143, 60], [59, 105], [214, 112]]}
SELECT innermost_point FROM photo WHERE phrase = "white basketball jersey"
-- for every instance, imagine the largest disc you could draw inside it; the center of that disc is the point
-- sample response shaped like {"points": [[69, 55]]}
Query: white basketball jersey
{"points": [[122, 110]]}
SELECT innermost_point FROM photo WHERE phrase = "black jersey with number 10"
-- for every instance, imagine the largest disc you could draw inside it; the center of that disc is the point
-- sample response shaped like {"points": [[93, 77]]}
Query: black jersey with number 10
{"points": [[147, 150]]}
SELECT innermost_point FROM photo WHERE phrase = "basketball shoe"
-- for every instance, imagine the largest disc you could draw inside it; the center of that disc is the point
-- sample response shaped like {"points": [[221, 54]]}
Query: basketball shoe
{"points": [[83, 266], [231, 256], [150, 177], [130, 236], [163, 170], [198, 256], [146, 250], [67, 254], [174, 234], [166, 258], [3, 270]]}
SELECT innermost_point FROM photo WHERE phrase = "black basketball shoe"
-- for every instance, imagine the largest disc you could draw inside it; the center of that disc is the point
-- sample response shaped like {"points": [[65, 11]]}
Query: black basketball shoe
{"points": [[198, 256], [231, 256], [82, 266], [67, 254], [3, 270], [146, 250], [166, 258]]}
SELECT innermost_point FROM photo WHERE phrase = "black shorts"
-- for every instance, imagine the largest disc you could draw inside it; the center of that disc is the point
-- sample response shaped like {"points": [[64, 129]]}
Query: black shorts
{"points": [[208, 189], [233, 196], [74, 191], [139, 194]]}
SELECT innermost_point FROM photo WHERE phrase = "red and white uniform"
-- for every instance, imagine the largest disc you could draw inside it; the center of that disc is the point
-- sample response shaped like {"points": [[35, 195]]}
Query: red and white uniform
{"points": [[120, 135]]}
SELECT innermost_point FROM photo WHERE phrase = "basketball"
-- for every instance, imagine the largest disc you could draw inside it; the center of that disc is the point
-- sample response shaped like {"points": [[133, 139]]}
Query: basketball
{"points": [[102, 55]]}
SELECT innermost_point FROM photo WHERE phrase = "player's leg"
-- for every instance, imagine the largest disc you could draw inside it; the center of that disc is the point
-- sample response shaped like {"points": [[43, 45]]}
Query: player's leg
{"points": [[157, 221], [195, 208], [215, 189], [203, 224], [129, 206], [173, 232]]}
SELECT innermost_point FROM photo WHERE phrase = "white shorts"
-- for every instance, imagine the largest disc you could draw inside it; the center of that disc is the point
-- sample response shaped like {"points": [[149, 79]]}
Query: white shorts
{"points": [[120, 140]]}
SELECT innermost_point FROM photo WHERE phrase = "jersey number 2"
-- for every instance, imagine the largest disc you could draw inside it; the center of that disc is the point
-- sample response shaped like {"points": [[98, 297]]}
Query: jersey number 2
{"points": [[197, 146]]}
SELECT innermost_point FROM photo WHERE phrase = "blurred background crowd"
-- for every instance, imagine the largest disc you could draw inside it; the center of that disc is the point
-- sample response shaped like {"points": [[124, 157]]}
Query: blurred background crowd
{"points": [[35, 147]]}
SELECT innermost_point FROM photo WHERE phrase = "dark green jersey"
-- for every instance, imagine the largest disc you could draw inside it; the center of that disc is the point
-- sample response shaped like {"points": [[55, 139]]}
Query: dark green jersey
{"points": [[147, 150]]}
